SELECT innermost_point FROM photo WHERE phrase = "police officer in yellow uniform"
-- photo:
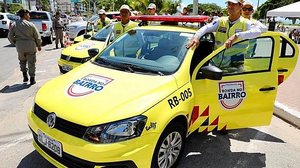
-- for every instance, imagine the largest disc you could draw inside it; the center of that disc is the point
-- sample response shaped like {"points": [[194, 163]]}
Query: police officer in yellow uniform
{"points": [[247, 12], [26, 38], [125, 24], [103, 20], [228, 29], [58, 26]]}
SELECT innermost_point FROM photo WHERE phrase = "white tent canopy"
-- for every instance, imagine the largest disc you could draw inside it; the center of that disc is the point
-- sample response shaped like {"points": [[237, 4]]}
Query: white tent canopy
{"points": [[291, 10]]}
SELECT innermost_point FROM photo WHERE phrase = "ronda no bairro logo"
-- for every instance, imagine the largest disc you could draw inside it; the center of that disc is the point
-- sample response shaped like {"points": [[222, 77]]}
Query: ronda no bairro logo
{"points": [[87, 85], [231, 94]]}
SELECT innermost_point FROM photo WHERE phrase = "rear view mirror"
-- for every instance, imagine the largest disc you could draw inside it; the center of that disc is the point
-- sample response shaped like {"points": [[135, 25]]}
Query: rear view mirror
{"points": [[86, 36], [93, 52], [211, 72]]}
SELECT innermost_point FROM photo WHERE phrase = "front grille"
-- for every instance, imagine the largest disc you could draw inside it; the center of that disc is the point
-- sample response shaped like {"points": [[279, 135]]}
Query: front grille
{"points": [[72, 161], [72, 59], [61, 124]]}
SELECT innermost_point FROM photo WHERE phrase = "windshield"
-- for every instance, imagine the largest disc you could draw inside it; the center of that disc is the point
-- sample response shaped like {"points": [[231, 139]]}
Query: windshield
{"points": [[38, 16], [102, 34], [12, 17], [153, 50]]}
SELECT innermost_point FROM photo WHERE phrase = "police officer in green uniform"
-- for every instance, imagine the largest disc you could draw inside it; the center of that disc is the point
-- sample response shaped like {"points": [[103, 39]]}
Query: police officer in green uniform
{"points": [[228, 30], [58, 26], [25, 36], [103, 20], [125, 24]]}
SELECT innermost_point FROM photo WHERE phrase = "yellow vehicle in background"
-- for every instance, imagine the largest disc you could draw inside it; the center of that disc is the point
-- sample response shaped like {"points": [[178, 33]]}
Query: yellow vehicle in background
{"points": [[90, 28], [134, 104], [77, 54]]}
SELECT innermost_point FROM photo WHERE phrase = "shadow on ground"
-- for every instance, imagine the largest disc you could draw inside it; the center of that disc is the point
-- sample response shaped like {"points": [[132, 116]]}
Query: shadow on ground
{"points": [[34, 160], [213, 150], [201, 151], [14, 88]]}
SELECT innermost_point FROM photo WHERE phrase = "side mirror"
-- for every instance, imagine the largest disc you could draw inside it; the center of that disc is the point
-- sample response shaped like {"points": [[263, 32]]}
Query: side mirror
{"points": [[86, 36], [93, 52], [211, 72]]}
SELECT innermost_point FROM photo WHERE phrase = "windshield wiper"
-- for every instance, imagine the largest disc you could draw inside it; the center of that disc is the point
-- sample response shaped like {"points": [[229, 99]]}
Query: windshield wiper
{"points": [[132, 68], [126, 66]]}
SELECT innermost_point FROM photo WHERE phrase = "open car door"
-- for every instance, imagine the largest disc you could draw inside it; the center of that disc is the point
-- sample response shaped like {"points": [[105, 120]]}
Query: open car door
{"points": [[238, 98]]}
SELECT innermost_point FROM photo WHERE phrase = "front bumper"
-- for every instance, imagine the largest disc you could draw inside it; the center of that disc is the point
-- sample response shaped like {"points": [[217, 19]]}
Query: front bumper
{"points": [[45, 34], [72, 35], [66, 66], [80, 153]]}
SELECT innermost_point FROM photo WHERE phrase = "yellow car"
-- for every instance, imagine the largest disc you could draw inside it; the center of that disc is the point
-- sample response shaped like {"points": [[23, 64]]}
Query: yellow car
{"points": [[77, 54], [134, 104]]}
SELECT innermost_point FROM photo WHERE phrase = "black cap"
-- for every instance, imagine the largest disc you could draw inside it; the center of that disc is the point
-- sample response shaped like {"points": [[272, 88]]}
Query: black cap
{"points": [[23, 11]]}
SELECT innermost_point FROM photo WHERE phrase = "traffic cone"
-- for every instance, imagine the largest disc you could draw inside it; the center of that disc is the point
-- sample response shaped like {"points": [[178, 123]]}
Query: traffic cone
{"points": [[67, 41]]}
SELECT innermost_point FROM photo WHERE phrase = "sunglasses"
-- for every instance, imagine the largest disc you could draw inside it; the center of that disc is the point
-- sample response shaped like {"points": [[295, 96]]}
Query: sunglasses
{"points": [[150, 8], [247, 9]]}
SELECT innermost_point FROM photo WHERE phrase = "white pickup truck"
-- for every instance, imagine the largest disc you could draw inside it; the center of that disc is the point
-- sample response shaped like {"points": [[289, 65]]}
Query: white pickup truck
{"points": [[43, 21]]}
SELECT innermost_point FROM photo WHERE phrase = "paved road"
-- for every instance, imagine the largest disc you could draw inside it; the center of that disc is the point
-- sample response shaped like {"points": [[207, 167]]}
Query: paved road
{"points": [[8, 61], [274, 146]]}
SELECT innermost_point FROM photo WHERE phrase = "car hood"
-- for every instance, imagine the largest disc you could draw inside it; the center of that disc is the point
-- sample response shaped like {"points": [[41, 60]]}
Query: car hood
{"points": [[91, 95], [80, 50]]}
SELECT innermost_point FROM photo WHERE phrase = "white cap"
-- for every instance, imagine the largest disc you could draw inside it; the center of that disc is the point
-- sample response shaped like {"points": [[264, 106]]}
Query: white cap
{"points": [[125, 7], [235, 1], [248, 3], [101, 12], [152, 6]]}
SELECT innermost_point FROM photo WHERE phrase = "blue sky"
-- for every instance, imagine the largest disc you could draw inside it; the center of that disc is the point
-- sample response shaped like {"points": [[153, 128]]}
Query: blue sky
{"points": [[219, 2]]}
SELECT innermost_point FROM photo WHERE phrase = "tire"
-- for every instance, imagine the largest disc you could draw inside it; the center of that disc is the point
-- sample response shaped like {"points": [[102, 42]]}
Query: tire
{"points": [[80, 33], [169, 147], [50, 39]]}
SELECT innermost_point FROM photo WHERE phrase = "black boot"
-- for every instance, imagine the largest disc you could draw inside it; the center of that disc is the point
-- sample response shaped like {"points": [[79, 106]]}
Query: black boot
{"points": [[25, 77], [32, 81], [62, 46], [56, 46]]}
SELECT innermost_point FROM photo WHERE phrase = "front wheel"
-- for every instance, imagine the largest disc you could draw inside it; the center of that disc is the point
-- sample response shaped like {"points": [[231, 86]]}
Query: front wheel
{"points": [[169, 147]]}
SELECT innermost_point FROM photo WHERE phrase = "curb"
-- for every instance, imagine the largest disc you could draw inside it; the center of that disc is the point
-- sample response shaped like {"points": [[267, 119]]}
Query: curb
{"points": [[287, 114]]}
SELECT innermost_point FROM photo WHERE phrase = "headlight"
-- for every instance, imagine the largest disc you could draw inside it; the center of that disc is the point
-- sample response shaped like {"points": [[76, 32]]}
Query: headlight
{"points": [[116, 131]]}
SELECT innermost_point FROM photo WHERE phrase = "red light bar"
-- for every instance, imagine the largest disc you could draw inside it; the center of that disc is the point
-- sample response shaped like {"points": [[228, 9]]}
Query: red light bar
{"points": [[167, 18]]}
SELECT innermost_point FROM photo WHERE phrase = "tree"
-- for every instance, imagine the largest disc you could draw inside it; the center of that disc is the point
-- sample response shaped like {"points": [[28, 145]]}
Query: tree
{"points": [[209, 8], [269, 5]]}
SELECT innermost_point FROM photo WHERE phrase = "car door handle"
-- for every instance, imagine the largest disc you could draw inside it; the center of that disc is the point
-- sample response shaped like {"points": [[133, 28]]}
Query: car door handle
{"points": [[282, 70], [266, 89]]}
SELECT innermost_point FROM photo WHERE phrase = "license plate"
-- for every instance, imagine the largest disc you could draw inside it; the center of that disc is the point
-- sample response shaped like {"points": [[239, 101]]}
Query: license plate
{"points": [[67, 67], [50, 143]]}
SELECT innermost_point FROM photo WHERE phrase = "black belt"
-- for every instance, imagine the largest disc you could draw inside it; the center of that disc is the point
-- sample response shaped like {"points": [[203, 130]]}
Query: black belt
{"points": [[58, 27]]}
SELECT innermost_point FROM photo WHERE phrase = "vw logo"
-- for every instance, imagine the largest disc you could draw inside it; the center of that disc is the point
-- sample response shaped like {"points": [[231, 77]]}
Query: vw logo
{"points": [[68, 58], [51, 120]]}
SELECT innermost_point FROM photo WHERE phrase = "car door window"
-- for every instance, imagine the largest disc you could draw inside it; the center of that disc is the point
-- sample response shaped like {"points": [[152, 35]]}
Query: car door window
{"points": [[286, 49], [249, 56]]}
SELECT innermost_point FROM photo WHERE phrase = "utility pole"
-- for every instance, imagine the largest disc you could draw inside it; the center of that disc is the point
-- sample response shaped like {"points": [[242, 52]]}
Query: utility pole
{"points": [[195, 7], [29, 7], [5, 6], [257, 4]]}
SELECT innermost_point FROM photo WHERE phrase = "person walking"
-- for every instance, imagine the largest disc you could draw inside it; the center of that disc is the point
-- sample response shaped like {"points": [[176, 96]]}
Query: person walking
{"points": [[26, 37], [58, 26], [103, 20]]}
